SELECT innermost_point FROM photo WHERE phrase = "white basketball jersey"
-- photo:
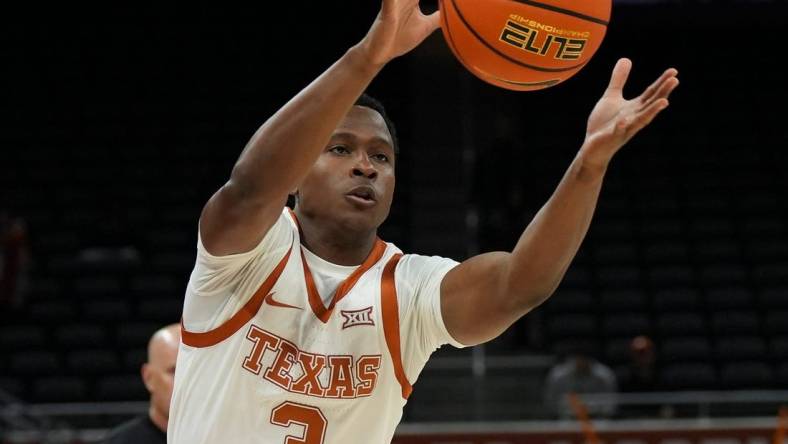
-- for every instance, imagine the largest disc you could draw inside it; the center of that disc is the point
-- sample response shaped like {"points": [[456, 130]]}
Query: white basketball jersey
{"points": [[266, 358]]}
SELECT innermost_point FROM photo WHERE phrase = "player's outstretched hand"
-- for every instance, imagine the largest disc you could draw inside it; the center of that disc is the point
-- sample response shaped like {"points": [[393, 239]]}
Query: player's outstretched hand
{"points": [[399, 27], [615, 120]]}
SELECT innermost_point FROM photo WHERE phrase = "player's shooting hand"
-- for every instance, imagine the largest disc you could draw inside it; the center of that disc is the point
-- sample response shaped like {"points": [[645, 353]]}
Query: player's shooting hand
{"points": [[399, 27], [615, 120]]}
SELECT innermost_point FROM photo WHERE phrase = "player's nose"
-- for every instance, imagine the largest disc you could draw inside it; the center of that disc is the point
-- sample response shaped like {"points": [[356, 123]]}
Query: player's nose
{"points": [[363, 167]]}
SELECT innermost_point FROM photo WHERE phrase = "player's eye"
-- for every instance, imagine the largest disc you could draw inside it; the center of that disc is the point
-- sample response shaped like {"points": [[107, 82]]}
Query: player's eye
{"points": [[381, 157], [339, 149]]}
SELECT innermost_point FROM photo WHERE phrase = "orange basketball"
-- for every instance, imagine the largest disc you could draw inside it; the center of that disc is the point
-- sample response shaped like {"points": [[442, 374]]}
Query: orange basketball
{"points": [[524, 45]]}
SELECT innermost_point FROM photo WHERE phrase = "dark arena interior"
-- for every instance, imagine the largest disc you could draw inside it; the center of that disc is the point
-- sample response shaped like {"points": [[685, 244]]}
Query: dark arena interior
{"points": [[119, 123]]}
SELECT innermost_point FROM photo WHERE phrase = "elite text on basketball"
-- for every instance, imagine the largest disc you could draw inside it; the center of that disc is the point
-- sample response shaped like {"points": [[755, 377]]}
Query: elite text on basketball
{"points": [[529, 39]]}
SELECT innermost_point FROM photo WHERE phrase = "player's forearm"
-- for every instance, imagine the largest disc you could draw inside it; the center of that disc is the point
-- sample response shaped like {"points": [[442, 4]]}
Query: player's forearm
{"points": [[285, 147], [550, 242]]}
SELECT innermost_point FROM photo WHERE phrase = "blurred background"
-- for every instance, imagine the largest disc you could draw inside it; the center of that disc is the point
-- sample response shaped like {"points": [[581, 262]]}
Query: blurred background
{"points": [[117, 124]]}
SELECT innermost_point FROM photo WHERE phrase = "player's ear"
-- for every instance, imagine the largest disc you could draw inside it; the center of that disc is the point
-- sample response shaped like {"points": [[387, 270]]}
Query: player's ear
{"points": [[147, 377]]}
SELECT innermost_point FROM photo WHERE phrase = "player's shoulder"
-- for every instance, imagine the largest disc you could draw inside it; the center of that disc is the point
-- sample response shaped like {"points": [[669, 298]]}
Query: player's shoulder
{"points": [[420, 260], [414, 269], [280, 233]]}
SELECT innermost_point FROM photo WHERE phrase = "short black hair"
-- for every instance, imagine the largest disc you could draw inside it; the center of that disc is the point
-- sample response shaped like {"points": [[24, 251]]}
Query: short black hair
{"points": [[370, 102]]}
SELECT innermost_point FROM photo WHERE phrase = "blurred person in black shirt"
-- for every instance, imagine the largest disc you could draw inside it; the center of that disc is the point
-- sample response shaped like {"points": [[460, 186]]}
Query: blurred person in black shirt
{"points": [[640, 375], [158, 374], [13, 260]]}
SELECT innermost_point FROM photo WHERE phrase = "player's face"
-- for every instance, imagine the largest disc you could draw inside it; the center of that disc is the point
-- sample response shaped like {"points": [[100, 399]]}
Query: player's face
{"points": [[353, 179]]}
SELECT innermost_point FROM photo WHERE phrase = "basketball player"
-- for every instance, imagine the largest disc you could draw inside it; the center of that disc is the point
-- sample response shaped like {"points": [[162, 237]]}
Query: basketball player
{"points": [[303, 326], [157, 374]]}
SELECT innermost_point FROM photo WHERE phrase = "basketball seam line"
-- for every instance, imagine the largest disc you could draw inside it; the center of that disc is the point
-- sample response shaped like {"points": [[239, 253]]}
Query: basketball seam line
{"points": [[563, 11], [511, 59], [534, 84]]}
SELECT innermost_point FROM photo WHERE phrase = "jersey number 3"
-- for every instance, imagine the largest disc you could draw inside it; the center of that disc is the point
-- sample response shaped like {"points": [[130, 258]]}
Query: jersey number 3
{"points": [[289, 413]]}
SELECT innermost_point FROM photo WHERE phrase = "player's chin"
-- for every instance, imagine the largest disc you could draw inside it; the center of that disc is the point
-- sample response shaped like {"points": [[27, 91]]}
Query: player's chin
{"points": [[363, 217]]}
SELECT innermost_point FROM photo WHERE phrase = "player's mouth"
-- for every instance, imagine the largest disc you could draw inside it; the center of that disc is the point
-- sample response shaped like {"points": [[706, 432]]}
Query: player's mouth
{"points": [[363, 195]]}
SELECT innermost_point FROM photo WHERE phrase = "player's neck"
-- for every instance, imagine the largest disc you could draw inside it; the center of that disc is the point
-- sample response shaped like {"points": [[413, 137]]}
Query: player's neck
{"points": [[337, 246]]}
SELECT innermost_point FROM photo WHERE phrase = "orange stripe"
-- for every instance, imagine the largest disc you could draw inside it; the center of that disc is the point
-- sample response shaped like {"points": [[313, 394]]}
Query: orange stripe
{"points": [[388, 299], [782, 418], [315, 301], [244, 315], [313, 296], [372, 259], [582, 415], [295, 219]]}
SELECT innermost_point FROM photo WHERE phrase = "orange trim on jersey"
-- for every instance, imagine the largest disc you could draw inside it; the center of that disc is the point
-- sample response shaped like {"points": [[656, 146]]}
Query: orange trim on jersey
{"points": [[244, 315], [295, 219], [390, 309], [315, 301]]}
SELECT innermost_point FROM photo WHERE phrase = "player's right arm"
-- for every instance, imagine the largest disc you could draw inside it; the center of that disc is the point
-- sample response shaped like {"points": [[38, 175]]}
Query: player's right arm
{"points": [[284, 148], [501, 287]]}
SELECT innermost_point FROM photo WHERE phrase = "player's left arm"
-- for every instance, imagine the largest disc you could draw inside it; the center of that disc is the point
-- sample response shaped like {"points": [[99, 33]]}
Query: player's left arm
{"points": [[483, 296]]}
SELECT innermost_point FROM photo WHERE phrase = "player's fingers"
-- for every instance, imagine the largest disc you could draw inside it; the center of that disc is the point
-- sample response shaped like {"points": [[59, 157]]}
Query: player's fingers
{"points": [[663, 92], [649, 93], [619, 77], [648, 114]]}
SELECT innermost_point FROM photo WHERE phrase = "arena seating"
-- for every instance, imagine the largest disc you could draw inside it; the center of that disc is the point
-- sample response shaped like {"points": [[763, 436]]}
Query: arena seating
{"points": [[689, 245]]}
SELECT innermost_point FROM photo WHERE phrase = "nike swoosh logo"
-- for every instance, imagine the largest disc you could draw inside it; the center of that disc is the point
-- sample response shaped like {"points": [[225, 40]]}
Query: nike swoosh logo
{"points": [[269, 299]]}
